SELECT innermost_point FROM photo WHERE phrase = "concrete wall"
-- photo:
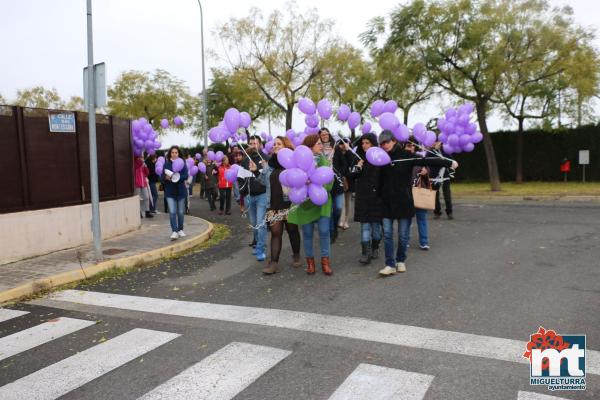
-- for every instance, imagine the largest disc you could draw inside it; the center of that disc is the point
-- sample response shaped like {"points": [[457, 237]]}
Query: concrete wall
{"points": [[31, 233]]}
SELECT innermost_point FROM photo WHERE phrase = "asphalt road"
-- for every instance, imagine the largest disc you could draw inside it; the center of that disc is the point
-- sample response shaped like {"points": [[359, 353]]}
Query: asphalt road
{"points": [[442, 330]]}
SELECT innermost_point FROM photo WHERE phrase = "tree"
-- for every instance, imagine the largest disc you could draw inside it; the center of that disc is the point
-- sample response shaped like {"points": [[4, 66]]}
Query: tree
{"points": [[39, 97], [2, 100], [400, 76], [154, 96], [281, 54], [75, 103]]}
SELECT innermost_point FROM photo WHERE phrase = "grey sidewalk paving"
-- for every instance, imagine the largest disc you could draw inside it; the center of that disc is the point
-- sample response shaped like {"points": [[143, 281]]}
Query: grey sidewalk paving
{"points": [[152, 235]]}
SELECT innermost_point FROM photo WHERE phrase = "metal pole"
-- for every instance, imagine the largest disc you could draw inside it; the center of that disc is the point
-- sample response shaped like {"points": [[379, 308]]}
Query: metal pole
{"points": [[92, 136], [204, 97]]}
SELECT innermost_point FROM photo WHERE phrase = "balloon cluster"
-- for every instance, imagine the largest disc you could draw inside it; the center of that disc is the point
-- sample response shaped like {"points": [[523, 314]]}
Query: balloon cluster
{"points": [[344, 114], [177, 166], [303, 177], [384, 111], [231, 173], [295, 137], [227, 129], [144, 137], [457, 132]]}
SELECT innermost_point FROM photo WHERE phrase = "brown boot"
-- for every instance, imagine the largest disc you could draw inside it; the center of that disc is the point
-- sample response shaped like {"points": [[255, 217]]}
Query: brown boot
{"points": [[325, 265], [296, 263], [310, 262], [272, 268]]}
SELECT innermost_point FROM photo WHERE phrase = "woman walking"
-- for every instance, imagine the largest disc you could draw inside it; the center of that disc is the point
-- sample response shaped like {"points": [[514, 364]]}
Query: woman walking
{"points": [[308, 215], [224, 188], [141, 173], [278, 205], [210, 183], [175, 193], [368, 204]]}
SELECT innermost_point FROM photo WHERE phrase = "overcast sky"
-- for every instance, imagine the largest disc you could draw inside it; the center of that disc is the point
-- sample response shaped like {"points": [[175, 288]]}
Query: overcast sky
{"points": [[44, 42]]}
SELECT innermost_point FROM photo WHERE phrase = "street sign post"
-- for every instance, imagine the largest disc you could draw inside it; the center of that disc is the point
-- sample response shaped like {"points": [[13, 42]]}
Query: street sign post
{"points": [[584, 159], [61, 121], [99, 81]]}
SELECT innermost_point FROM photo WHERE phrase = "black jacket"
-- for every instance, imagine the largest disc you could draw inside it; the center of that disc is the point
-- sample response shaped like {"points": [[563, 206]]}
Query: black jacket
{"points": [[396, 182], [252, 186], [340, 169], [366, 181]]}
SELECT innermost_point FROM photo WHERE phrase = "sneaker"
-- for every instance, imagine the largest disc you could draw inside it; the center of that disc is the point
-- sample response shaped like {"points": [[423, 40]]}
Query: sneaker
{"points": [[387, 271], [254, 251], [174, 236], [400, 267], [424, 247], [450, 216], [261, 257], [181, 234]]}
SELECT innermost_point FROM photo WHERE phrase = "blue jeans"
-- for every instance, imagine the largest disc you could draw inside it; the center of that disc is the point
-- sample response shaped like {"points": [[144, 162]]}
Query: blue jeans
{"points": [[403, 239], [176, 211], [323, 225], [236, 192], [257, 208], [370, 231], [337, 204], [154, 193], [422, 226]]}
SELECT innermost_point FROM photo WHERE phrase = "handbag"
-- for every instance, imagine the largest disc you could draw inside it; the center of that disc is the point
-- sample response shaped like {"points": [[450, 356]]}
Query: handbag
{"points": [[423, 198]]}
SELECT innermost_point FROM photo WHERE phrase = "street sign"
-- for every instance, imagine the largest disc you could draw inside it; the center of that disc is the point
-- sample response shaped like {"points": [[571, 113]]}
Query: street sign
{"points": [[99, 85], [63, 122], [584, 157]]}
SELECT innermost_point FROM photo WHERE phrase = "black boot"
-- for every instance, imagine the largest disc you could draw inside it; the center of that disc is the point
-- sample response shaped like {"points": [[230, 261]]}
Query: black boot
{"points": [[375, 249], [149, 214], [366, 253]]}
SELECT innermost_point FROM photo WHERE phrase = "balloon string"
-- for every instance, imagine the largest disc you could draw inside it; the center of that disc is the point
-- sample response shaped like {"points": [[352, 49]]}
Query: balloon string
{"points": [[274, 218]]}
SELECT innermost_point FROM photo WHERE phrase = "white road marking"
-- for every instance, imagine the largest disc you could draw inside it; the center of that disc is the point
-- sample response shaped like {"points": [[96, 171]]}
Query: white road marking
{"points": [[537, 396], [380, 383], [354, 328], [7, 313], [64, 376], [222, 375], [39, 334]]}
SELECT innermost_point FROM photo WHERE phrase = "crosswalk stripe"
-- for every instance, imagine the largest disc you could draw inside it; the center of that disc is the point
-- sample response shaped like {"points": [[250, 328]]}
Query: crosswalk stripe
{"points": [[354, 328], [64, 376], [39, 334], [536, 396], [222, 375], [7, 313], [380, 383]]}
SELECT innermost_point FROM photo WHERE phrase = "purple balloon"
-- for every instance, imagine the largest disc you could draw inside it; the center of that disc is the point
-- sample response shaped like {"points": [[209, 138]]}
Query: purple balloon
{"points": [[388, 121], [136, 125], [419, 129], [401, 133], [354, 120], [322, 176], [463, 140], [459, 130], [283, 178], [245, 119], [463, 119], [311, 120], [194, 170], [164, 123], [178, 121], [429, 139], [216, 135], [232, 120], [343, 112], [211, 155], [390, 106], [451, 113], [296, 141], [202, 167], [471, 128], [377, 108], [158, 169], [324, 108], [269, 146], [476, 137], [198, 156], [298, 195], [378, 157], [303, 157], [231, 175], [453, 140], [178, 164], [219, 156], [442, 137], [448, 149], [296, 177], [317, 194], [285, 157], [307, 106], [468, 147], [149, 144], [466, 108], [290, 134], [366, 128]]}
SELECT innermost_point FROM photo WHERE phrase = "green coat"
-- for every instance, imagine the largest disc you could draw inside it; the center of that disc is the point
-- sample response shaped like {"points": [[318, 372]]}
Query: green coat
{"points": [[307, 212]]}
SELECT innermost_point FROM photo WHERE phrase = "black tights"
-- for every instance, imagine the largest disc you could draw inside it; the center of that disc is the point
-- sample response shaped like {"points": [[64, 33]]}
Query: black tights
{"points": [[277, 235]]}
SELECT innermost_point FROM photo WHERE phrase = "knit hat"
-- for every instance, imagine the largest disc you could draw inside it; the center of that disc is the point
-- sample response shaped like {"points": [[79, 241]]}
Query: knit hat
{"points": [[386, 136]]}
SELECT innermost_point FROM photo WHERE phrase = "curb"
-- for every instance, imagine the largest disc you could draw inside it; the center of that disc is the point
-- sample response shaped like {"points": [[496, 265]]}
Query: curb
{"points": [[39, 285], [531, 199]]}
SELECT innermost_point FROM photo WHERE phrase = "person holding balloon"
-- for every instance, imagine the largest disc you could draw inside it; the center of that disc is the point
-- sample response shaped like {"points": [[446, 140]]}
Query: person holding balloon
{"points": [[278, 205], [224, 188], [396, 193], [210, 183], [317, 209], [174, 175]]}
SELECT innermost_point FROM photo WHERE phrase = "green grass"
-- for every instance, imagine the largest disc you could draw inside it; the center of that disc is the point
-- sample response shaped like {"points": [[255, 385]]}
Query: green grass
{"points": [[549, 189]]}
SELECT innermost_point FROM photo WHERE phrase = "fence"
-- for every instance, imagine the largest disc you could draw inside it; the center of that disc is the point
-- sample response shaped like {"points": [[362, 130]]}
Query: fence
{"points": [[43, 169]]}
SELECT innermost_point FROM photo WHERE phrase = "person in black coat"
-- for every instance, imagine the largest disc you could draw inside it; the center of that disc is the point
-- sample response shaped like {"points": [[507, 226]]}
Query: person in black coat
{"points": [[364, 177], [396, 193], [441, 177], [340, 169]]}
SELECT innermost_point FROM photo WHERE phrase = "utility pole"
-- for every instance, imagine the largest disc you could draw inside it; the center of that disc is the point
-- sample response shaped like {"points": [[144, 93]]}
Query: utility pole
{"points": [[204, 96], [92, 137]]}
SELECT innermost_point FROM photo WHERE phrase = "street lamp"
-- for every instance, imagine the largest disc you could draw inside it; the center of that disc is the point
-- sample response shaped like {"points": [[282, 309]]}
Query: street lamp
{"points": [[204, 99]]}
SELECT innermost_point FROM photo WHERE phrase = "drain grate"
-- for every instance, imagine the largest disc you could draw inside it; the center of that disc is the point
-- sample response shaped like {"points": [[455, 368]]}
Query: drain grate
{"points": [[112, 252]]}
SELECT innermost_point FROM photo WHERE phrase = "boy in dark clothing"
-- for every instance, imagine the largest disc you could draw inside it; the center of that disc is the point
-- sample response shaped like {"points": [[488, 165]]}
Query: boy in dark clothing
{"points": [[210, 183]]}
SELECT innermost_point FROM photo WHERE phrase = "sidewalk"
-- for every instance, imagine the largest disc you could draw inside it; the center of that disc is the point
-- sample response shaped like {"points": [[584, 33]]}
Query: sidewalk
{"points": [[149, 243]]}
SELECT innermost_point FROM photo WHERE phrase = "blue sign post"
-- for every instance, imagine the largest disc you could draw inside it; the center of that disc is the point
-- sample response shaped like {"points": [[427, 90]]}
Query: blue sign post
{"points": [[61, 121]]}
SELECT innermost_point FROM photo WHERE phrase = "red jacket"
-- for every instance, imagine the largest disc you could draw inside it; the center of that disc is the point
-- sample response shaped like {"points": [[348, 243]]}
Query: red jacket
{"points": [[223, 183], [141, 172]]}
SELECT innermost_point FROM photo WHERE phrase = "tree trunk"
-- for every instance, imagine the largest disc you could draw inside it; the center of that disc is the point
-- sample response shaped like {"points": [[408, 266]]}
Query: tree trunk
{"points": [[519, 166], [288, 116], [352, 135], [488, 146], [405, 116]]}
